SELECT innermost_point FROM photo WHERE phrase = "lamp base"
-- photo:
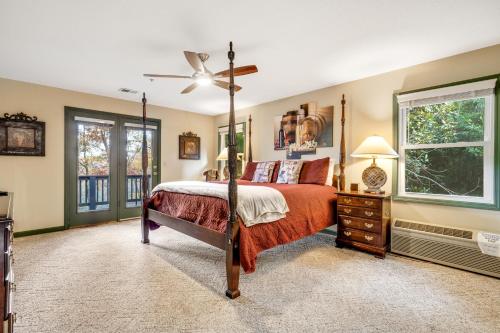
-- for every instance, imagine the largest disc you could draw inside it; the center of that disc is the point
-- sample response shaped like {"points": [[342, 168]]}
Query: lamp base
{"points": [[374, 178]]}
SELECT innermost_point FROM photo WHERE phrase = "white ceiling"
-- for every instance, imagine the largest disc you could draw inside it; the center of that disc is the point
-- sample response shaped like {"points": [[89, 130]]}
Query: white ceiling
{"points": [[99, 46]]}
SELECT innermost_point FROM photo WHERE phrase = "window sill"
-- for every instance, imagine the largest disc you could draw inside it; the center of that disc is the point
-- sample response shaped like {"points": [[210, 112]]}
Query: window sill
{"points": [[451, 203]]}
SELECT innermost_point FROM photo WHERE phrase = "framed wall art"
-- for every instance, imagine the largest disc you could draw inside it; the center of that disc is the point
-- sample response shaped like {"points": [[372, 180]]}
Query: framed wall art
{"points": [[189, 146], [21, 135]]}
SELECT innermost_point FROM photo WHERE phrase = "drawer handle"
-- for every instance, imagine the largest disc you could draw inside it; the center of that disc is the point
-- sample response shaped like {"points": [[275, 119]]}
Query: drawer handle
{"points": [[368, 238], [347, 210], [347, 233], [347, 221], [367, 213], [347, 200], [369, 225], [369, 203]]}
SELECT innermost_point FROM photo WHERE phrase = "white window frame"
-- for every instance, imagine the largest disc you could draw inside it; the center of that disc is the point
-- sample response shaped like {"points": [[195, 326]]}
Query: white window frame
{"points": [[477, 89]]}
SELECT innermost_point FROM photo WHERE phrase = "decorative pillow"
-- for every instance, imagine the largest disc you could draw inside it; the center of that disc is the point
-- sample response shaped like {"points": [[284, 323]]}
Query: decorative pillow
{"points": [[315, 172], [263, 172], [276, 171], [249, 171], [289, 172], [329, 177]]}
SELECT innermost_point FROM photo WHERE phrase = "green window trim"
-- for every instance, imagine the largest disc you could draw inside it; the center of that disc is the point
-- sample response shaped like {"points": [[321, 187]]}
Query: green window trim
{"points": [[496, 164]]}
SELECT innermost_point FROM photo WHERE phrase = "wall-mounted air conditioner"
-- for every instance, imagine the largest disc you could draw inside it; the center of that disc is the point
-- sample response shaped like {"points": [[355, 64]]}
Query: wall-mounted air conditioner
{"points": [[444, 245]]}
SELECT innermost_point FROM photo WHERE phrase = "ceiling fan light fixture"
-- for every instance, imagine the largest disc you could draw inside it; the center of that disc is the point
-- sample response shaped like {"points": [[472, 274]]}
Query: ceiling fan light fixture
{"points": [[204, 81]]}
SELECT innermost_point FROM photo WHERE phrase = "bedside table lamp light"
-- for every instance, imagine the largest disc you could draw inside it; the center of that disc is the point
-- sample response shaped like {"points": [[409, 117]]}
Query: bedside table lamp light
{"points": [[374, 147], [223, 156]]}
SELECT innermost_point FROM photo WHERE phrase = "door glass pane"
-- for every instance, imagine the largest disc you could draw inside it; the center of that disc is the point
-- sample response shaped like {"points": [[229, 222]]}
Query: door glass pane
{"points": [[133, 182], [93, 183]]}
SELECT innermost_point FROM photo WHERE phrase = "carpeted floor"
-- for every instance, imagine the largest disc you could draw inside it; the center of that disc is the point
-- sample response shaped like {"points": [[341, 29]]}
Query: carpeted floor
{"points": [[102, 279]]}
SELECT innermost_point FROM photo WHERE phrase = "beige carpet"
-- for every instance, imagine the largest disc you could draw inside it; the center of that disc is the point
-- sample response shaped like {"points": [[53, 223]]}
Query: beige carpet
{"points": [[102, 279]]}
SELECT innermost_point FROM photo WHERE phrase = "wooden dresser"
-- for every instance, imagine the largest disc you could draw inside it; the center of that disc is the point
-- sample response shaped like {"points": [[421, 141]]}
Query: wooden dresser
{"points": [[8, 286], [364, 221]]}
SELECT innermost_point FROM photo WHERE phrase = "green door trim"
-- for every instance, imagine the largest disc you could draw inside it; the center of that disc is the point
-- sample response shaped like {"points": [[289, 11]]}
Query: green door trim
{"points": [[69, 113], [125, 212]]}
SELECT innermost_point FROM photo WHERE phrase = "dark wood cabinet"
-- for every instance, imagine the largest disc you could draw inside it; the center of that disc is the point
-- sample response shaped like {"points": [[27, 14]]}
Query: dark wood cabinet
{"points": [[364, 221], [8, 286]]}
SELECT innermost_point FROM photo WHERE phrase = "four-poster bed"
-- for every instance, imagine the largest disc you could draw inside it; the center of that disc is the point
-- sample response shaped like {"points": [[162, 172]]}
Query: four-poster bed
{"points": [[225, 230]]}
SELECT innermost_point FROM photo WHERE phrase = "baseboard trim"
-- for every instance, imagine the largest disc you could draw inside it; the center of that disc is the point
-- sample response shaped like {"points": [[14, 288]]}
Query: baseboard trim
{"points": [[38, 231]]}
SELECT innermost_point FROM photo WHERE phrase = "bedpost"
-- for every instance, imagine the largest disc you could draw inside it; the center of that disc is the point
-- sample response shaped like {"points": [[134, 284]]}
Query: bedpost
{"points": [[144, 211], [232, 229], [342, 148], [250, 159]]}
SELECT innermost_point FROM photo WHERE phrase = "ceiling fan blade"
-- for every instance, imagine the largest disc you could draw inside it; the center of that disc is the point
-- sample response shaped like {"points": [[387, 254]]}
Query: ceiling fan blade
{"points": [[225, 85], [195, 61], [189, 88], [238, 71], [168, 76]]}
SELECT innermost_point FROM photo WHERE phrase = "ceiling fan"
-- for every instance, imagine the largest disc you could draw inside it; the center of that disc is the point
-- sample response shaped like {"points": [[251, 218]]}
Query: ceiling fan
{"points": [[202, 76]]}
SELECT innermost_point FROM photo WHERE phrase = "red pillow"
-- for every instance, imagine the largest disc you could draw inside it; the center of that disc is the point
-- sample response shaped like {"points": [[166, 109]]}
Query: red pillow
{"points": [[276, 171], [314, 172], [249, 171]]}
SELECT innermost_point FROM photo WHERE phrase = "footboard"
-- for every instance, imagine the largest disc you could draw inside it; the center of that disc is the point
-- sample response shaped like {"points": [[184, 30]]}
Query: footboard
{"points": [[194, 230]]}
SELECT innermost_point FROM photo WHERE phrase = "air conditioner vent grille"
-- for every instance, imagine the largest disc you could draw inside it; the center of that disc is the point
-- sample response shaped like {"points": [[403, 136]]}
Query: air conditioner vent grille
{"points": [[452, 232], [446, 253]]}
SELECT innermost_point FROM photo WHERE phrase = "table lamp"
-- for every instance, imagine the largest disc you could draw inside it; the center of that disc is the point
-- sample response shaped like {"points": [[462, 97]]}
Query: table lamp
{"points": [[374, 147], [223, 156]]}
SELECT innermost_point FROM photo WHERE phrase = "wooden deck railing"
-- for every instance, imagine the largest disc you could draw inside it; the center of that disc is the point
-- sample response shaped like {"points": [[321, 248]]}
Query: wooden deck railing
{"points": [[94, 191]]}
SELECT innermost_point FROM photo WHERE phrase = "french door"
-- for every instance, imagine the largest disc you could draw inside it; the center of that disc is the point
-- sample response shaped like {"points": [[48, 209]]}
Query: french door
{"points": [[103, 165]]}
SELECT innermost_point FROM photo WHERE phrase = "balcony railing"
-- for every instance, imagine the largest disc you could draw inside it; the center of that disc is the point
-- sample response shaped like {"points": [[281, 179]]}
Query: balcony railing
{"points": [[94, 191]]}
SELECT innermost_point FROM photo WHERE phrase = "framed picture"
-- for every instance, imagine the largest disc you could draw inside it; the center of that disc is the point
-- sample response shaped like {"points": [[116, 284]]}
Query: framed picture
{"points": [[189, 146], [22, 135], [301, 131]]}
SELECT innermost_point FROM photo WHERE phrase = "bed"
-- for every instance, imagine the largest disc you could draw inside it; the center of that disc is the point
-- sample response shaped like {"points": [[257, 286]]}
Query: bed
{"points": [[215, 221]]}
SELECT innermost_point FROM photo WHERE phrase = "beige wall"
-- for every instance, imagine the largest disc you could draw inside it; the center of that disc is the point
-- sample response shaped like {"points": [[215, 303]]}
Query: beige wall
{"points": [[369, 111], [38, 182]]}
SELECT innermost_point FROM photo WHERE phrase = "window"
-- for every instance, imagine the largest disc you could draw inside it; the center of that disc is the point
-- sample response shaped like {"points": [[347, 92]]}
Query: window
{"points": [[447, 143], [240, 146]]}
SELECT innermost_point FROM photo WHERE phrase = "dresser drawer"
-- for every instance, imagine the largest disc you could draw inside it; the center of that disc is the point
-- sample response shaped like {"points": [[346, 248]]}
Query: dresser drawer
{"points": [[359, 223], [366, 213], [359, 236], [359, 201]]}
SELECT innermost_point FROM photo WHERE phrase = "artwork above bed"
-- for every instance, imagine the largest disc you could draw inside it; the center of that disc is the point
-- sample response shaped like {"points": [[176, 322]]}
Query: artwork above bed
{"points": [[301, 131]]}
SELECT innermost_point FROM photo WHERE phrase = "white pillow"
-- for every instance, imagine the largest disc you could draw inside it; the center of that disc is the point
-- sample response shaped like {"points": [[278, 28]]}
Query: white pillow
{"points": [[289, 172], [263, 172], [329, 177]]}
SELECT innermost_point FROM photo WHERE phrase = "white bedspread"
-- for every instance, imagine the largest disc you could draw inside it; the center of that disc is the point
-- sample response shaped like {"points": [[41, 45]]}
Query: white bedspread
{"points": [[256, 204]]}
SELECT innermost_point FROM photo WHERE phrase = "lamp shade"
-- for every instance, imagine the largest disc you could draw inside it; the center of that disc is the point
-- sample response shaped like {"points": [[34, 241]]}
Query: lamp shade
{"points": [[223, 155], [374, 147]]}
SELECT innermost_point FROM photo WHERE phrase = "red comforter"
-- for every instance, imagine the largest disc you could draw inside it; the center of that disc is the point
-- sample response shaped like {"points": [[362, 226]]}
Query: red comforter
{"points": [[311, 210]]}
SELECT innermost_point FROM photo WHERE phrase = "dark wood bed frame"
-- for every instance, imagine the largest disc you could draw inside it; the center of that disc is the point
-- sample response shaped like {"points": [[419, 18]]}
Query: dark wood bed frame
{"points": [[230, 240]]}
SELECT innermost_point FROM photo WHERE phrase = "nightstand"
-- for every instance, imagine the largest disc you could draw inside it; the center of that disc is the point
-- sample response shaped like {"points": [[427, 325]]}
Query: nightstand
{"points": [[363, 221]]}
